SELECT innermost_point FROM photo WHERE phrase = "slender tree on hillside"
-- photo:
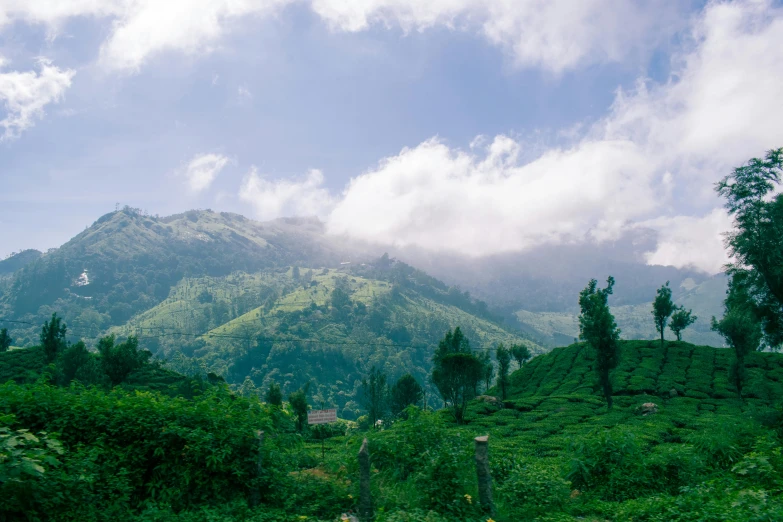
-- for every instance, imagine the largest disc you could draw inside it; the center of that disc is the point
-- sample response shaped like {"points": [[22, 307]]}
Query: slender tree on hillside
{"points": [[375, 395], [663, 307], [405, 392], [681, 319], [456, 372], [503, 355], [274, 395], [520, 353], [756, 243], [489, 368], [53, 337], [741, 328], [298, 402], [5, 340], [598, 328]]}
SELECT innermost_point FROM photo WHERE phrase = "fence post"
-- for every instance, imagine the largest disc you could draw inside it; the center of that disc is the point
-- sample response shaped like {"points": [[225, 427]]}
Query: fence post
{"points": [[365, 501], [482, 472]]}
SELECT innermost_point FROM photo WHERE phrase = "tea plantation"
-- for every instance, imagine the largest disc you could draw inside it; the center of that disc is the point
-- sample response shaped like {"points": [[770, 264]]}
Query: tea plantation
{"points": [[698, 453]]}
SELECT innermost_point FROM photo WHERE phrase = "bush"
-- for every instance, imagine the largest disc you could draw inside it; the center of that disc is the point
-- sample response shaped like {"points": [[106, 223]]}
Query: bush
{"points": [[534, 487]]}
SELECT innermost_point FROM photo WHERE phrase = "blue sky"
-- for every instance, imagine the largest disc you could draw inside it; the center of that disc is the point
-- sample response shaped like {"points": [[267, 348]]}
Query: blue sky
{"points": [[547, 121]]}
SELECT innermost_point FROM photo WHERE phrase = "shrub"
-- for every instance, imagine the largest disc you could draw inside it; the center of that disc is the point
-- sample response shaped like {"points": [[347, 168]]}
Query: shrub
{"points": [[534, 487]]}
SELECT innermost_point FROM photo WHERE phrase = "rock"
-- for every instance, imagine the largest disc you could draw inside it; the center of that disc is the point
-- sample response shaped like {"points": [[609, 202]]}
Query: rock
{"points": [[673, 393], [648, 408], [490, 400]]}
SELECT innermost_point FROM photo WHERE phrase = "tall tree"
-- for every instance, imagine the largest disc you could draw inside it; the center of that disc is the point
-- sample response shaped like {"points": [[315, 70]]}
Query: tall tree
{"points": [[456, 372], [489, 368], [274, 395], [503, 355], [598, 328], [681, 319], [53, 337], [298, 402], [756, 243], [77, 360], [5, 340], [520, 353], [119, 360], [375, 395], [406, 391], [741, 328], [663, 307]]}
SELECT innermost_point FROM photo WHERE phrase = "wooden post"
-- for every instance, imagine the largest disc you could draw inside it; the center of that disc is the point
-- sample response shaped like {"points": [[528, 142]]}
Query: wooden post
{"points": [[484, 477], [365, 501]]}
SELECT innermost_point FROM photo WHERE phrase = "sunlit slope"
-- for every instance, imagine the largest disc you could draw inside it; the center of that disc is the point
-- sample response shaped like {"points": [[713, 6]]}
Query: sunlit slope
{"points": [[677, 369], [554, 400], [292, 326]]}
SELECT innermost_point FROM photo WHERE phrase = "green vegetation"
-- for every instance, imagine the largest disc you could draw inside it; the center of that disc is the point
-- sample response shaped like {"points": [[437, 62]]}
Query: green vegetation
{"points": [[681, 319], [597, 327], [663, 308], [605, 429], [757, 241], [5, 340], [456, 372]]}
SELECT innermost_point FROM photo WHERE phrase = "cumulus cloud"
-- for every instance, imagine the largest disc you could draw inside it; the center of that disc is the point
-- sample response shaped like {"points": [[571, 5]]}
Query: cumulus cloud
{"points": [[657, 154], [143, 28], [688, 241], [553, 34], [203, 169], [436, 197], [25, 95], [285, 197]]}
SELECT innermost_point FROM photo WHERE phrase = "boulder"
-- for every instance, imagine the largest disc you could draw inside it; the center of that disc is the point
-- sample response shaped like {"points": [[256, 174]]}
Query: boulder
{"points": [[648, 408]]}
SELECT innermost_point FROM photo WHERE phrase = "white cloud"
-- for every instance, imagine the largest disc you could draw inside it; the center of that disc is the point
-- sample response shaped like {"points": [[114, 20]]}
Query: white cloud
{"points": [[278, 198], [144, 28], [555, 35], [436, 197], [655, 156], [25, 95], [686, 241], [202, 170]]}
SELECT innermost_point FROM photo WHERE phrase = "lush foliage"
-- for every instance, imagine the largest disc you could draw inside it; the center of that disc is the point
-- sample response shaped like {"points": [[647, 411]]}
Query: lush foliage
{"points": [[757, 241], [663, 308], [681, 319], [597, 327], [456, 372]]}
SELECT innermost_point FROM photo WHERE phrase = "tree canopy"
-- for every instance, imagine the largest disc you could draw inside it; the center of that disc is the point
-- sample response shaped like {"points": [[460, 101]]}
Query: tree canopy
{"points": [[456, 372], [756, 243], [598, 328], [663, 307]]}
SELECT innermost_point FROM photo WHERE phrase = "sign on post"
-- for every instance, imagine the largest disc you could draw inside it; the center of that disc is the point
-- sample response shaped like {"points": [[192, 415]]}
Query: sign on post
{"points": [[321, 416]]}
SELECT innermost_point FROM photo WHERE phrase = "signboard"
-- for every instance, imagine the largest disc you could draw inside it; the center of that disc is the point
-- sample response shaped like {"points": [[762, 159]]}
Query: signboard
{"points": [[321, 416]]}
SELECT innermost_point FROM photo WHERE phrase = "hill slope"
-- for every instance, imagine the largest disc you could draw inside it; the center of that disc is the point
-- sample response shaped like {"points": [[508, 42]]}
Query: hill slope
{"points": [[328, 327], [127, 262]]}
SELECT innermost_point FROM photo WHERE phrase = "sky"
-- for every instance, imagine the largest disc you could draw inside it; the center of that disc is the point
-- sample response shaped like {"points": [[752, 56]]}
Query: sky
{"points": [[475, 126]]}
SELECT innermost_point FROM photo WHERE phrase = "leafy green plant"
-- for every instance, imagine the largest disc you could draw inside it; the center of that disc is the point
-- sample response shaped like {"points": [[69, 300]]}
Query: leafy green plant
{"points": [[534, 487]]}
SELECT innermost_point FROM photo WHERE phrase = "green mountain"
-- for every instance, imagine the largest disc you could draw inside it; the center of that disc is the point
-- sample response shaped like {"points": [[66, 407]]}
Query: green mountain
{"points": [[253, 302], [127, 262], [17, 261], [635, 321], [328, 327]]}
